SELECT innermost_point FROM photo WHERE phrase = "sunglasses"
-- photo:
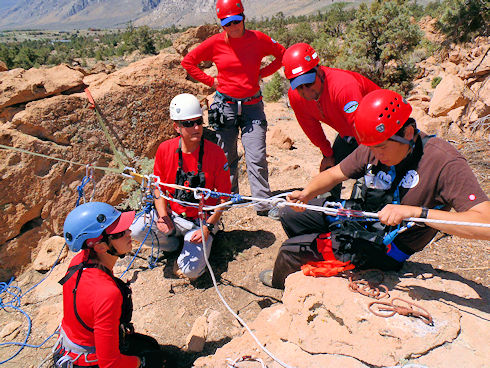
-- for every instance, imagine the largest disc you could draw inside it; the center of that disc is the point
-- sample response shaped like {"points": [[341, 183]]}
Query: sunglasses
{"points": [[234, 22], [118, 235], [190, 123]]}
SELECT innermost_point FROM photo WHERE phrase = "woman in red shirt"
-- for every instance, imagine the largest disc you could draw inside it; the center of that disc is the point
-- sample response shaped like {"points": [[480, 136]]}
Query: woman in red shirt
{"points": [[238, 53], [96, 329]]}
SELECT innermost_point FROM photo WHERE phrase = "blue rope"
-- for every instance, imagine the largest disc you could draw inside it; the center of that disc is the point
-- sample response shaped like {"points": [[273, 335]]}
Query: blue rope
{"points": [[81, 194], [147, 207], [15, 302]]}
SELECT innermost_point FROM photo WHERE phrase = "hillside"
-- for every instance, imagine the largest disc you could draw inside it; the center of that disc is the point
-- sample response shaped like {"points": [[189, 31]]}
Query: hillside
{"points": [[82, 14]]}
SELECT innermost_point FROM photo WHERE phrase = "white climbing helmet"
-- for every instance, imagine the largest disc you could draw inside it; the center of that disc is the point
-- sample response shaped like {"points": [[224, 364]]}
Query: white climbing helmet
{"points": [[184, 107]]}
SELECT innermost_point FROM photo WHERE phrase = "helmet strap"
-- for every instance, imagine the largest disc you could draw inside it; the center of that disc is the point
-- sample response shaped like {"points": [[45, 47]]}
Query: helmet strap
{"points": [[113, 252]]}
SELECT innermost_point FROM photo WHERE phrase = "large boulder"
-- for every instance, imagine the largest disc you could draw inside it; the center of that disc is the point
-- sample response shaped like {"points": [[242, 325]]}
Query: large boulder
{"points": [[321, 323], [194, 36], [38, 192], [3, 66], [448, 95], [19, 85]]}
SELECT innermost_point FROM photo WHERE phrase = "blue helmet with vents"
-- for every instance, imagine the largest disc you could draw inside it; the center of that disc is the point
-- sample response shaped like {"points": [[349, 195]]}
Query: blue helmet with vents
{"points": [[88, 221]]}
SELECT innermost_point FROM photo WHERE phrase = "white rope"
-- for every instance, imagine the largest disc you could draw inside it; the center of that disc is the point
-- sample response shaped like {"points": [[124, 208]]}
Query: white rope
{"points": [[229, 308], [332, 208]]}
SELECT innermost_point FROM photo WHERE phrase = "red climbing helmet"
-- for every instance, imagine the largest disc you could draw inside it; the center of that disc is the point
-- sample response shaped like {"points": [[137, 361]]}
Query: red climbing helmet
{"points": [[228, 8], [380, 115], [299, 59]]}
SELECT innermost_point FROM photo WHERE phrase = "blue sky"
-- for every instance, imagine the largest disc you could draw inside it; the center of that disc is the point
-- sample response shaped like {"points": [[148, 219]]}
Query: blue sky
{"points": [[7, 3]]}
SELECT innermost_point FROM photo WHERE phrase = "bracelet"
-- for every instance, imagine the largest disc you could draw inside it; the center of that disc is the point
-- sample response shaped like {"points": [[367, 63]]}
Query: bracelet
{"points": [[425, 212]]}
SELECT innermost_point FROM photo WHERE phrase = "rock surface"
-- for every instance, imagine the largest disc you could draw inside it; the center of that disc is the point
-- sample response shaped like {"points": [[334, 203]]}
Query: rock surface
{"points": [[134, 100], [19, 85], [322, 323]]}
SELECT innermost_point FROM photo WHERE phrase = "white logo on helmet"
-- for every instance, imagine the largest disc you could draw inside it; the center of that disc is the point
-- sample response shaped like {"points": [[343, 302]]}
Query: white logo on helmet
{"points": [[380, 128], [314, 56], [297, 70]]}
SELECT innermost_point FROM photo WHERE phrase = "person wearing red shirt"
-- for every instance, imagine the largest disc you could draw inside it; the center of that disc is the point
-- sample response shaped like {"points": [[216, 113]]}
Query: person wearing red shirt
{"points": [[238, 53], [192, 161], [321, 94], [96, 329]]}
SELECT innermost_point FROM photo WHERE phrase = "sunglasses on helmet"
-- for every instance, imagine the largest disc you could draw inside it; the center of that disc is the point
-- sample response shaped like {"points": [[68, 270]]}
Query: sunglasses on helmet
{"points": [[190, 123], [234, 22]]}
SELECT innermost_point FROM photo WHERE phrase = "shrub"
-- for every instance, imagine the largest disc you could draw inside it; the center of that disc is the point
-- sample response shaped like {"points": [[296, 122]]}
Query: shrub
{"points": [[275, 89], [435, 82], [463, 19]]}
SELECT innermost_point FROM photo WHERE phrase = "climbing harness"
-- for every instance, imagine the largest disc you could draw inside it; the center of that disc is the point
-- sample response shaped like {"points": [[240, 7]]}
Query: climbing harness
{"points": [[189, 179], [233, 363], [64, 346], [389, 309]]}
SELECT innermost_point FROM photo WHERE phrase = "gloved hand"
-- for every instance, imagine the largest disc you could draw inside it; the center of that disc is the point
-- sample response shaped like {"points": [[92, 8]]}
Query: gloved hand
{"points": [[153, 359]]}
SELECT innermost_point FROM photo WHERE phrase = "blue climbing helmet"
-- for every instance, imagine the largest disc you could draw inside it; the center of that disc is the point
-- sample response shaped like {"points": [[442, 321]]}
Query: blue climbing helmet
{"points": [[89, 220]]}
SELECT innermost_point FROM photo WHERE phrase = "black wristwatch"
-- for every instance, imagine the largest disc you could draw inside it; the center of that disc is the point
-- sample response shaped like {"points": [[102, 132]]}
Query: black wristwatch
{"points": [[209, 226]]}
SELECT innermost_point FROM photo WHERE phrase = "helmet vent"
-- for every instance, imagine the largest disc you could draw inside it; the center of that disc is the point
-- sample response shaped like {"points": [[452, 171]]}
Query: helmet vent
{"points": [[68, 236], [380, 115], [388, 116], [101, 218]]}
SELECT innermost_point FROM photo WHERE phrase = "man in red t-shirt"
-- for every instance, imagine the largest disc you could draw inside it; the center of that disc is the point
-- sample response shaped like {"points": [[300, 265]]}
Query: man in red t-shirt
{"points": [[238, 108], [320, 94], [407, 174], [188, 160]]}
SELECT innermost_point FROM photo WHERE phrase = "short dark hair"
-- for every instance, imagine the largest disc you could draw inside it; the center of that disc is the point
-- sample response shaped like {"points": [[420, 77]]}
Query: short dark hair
{"points": [[409, 122]]}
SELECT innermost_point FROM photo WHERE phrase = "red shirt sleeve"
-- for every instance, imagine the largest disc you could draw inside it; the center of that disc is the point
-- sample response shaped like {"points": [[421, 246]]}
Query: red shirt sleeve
{"points": [[311, 126], [271, 47], [203, 52]]}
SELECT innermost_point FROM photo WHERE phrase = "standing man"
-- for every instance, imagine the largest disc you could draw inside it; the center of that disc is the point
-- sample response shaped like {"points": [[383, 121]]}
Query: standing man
{"points": [[188, 160], [320, 94], [406, 174], [238, 105]]}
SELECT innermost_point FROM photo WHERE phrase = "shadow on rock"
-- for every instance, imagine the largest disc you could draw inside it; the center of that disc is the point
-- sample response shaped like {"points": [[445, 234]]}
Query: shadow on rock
{"points": [[453, 287], [178, 358], [227, 245]]}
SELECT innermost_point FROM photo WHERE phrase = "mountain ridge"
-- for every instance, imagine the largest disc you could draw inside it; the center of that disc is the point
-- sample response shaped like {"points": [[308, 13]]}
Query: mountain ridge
{"points": [[82, 14]]}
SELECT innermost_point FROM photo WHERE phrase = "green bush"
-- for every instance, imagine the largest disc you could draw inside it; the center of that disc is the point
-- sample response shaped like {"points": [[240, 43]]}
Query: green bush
{"points": [[275, 89], [435, 82], [462, 20]]}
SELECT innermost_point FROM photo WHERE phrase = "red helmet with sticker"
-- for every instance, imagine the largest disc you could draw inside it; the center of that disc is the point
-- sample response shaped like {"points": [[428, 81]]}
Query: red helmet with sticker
{"points": [[299, 59], [227, 8], [380, 115]]}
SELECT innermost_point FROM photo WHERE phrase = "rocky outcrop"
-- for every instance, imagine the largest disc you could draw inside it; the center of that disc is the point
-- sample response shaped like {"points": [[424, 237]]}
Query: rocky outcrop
{"points": [[193, 37], [460, 101], [134, 100], [19, 85], [3, 66], [323, 324]]}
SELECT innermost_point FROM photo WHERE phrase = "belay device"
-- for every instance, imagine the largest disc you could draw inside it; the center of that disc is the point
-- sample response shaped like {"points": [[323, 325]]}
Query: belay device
{"points": [[189, 179]]}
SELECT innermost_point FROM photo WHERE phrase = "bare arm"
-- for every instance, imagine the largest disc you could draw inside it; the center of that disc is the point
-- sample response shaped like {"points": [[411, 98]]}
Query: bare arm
{"points": [[393, 214], [320, 184], [164, 222]]}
